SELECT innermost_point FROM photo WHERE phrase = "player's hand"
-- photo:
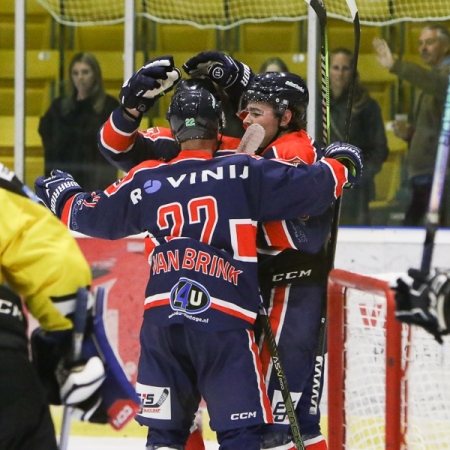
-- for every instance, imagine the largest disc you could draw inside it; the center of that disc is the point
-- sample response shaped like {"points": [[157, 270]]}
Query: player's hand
{"points": [[384, 54], [232, 75], [420, 300], [78, 383], [149, 83], [350, 156], [55, 190]]}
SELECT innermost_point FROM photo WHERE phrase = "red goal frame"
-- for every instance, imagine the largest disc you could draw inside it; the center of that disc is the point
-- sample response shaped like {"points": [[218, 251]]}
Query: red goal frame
{"points": [[338, 283]]}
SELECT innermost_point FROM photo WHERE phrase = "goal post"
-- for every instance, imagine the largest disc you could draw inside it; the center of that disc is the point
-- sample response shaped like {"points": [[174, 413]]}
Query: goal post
{"points": [[388, 383]]}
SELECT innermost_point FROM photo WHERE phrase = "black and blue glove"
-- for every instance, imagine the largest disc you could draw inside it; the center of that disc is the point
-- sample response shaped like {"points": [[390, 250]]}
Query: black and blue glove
{"points": [[56, 189], [232, 75], [350, 156], [149, 83], [424, 300]]}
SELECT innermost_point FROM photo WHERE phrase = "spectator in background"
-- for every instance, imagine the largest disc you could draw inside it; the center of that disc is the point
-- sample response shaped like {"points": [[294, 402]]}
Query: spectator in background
{"points": [[422, 134], [69, 128], [273, 64], [366, 132]]}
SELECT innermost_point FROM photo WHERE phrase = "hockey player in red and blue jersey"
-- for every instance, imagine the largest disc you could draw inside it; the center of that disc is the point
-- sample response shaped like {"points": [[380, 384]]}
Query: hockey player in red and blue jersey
{"points": [[202, 297], [291, 253]]}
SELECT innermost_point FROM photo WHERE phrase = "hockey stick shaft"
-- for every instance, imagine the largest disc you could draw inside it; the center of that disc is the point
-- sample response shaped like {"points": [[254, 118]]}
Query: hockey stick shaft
{"points": [[332, 243], [290, 409], [321, 13], [437, 187], [331, 251], [79, 324], [319, 8]]}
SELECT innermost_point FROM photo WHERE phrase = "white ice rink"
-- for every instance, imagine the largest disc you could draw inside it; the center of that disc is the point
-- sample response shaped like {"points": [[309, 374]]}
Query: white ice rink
{"points": [[116, 443]]}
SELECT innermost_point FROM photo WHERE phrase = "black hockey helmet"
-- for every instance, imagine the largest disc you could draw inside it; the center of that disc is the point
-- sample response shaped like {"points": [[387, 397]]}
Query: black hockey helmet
{"points": [[194, 114], [282, 90], [193, 84]]}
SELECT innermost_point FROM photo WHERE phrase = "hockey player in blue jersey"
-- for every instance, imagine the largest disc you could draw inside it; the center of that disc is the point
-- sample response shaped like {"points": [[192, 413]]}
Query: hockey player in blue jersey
{"points": [[291, 253], [202, 297]]}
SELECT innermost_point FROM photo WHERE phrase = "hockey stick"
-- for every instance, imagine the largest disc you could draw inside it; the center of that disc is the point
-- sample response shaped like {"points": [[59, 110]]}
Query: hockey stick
{"points": [[290, 409], [252, 139], [320, 10], [79, 324], [437, 187], [331, 252]]}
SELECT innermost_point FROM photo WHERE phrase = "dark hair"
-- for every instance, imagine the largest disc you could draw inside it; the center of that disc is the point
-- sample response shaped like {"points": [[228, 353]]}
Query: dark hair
{"points": [[274, 60], [360, 93], [281, 90], [98, 95]]}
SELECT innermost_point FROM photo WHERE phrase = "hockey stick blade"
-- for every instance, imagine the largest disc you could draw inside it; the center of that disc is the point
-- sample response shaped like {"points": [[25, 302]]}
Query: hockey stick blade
{"points": [[252, 139]]}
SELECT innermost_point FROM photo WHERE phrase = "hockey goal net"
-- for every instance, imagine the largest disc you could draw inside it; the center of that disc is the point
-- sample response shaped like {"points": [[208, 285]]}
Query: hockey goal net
{"points": [[389, 384], [225, 14]]}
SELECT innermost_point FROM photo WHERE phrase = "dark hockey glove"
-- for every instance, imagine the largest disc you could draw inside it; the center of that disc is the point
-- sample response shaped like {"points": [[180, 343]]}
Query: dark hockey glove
{"points": [[232, 75], [424, 300], [149, 83], [55, 190], [350, 156]]}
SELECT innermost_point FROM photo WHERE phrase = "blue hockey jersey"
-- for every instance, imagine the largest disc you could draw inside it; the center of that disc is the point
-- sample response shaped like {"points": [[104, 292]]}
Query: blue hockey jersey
{"points": [[201, 217]]}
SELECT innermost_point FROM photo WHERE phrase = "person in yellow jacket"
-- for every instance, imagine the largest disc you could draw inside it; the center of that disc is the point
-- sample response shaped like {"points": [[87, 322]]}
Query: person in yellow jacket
{"points": [[42, 266]]}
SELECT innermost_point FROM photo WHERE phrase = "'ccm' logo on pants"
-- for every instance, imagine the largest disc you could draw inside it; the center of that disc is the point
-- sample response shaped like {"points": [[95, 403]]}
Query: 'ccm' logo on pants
{"points": [[244, 415]]}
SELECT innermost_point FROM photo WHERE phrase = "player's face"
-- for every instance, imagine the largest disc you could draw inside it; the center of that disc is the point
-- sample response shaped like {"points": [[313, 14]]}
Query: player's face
{"points": [[83, 78], [340, 72], [432, 48], [264, 115]]}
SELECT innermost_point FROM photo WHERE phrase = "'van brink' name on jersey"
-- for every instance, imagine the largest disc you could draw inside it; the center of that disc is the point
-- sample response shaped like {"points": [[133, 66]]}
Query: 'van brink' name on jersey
{"points": [[199, 261], [206, 175]]}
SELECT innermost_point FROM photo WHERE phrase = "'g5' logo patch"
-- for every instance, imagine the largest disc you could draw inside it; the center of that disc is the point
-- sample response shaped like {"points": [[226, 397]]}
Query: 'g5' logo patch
{"points": [[189, 296]]}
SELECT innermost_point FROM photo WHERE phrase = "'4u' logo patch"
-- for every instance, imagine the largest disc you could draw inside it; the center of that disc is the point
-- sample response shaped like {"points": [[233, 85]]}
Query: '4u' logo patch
{"points": [[189, 296]]}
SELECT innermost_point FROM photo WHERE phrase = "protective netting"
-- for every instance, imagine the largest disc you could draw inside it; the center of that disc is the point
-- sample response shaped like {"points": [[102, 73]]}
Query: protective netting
{"points": [[224, 14], [425, 380]]}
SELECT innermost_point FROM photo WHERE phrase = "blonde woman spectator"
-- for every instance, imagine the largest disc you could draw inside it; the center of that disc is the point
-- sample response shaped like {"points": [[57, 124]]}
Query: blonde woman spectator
{"points": [[69, 127]]}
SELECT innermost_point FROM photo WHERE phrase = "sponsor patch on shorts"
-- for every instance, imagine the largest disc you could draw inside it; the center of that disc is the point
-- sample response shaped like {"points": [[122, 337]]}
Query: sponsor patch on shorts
{"points": [[155, 401], [279, 408]]}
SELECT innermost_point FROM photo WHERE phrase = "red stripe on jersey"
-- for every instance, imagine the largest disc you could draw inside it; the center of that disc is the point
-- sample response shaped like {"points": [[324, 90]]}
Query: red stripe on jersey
{"points": [[65, 214], [114, 139], [149, 246], [276, 235], [155, 303], [321, 444], [246, 238], [262, 386], [340, 173], [232, 312]]}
